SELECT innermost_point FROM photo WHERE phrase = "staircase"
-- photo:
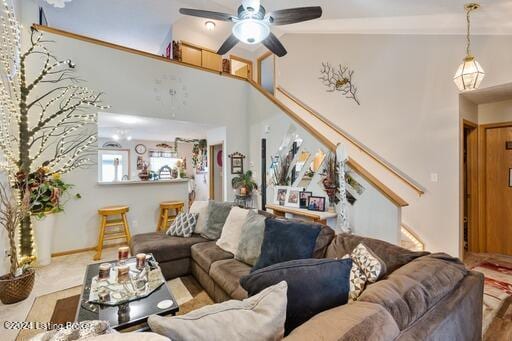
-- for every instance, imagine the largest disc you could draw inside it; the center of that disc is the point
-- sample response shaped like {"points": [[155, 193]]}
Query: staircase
{"points": [[383, 176]]}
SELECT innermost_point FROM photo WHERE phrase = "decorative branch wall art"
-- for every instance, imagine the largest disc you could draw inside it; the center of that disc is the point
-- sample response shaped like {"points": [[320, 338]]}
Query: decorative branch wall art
{"points": [[339, 79]]}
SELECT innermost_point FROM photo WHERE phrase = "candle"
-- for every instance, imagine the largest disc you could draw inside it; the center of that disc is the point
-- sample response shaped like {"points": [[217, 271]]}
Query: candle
{"points": [[122, 253], [123, 273], [243, 191], [104, 271], [141, 260]]}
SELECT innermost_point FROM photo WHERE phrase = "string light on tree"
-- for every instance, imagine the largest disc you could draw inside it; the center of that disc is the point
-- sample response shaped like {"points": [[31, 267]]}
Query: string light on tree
{"points": [[51, 126]]}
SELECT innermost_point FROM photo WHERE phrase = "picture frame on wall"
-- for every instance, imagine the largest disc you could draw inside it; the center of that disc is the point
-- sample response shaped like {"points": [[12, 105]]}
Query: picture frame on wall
{"points": [[510, 177], [293, 197], [303, 199], [280, 195], [237, 163], [316, 204]]}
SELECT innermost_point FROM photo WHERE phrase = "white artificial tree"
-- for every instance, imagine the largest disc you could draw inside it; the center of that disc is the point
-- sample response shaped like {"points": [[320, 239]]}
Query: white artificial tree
{"points": [[343, 223], [46, 120]]}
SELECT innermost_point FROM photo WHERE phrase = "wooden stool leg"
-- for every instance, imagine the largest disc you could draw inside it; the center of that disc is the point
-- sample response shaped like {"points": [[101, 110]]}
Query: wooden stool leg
{"points": [[160, 219], [126, 228], [165, 220], [99, 247]]}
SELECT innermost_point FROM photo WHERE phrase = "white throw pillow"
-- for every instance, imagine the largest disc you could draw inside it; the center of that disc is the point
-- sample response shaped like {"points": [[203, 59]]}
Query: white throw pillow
{"points": [[259, 317], [232, 230], [201, 208]]}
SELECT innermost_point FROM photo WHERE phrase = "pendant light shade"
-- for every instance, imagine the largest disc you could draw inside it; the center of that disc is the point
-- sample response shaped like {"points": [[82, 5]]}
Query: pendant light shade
{"points": [[470, 73]]}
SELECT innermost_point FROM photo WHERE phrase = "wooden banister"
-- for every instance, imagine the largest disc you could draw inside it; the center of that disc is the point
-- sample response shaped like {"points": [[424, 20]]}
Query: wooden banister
{"points": [[386, 191], [418, 189]]}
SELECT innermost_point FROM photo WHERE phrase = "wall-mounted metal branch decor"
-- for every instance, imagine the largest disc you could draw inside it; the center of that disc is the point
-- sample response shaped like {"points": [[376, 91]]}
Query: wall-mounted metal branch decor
{"points": [[339, 79]]}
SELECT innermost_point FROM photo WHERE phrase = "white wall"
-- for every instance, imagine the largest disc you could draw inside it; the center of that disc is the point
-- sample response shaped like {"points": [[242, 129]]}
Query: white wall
{"points": [[495, 112], [409, 110]]}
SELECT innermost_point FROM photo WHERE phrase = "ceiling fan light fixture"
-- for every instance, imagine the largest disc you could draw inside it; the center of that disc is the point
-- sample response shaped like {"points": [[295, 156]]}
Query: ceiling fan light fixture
{"points": [[251, 31]]}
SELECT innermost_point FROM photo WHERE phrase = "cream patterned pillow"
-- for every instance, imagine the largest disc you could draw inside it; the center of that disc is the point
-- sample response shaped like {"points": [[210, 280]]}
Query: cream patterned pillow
{"points": [[183, 225], [366, 268], [372, 266]]}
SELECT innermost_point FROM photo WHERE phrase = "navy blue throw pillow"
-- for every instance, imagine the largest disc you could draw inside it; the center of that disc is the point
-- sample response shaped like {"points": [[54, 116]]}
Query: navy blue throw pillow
{"points": [[314, 285], [285, 240]]}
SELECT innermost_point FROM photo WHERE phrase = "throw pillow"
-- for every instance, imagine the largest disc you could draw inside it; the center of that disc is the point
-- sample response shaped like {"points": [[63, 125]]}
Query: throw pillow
{"points": [[260, 317], [357, 280], [217, 214], [314, 285], [366, 268], [183, 225], [201, 208], [251, 238], [230, 236], [285, 240], [372, 266]]}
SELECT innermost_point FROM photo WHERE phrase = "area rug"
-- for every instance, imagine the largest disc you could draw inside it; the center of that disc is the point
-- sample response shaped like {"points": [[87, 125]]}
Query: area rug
{"points": [[60, 306], [497, 309]]}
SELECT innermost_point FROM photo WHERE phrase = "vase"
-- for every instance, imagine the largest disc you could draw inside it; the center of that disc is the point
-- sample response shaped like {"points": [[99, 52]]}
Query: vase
{"points": [[15, 289], [43, 233]]}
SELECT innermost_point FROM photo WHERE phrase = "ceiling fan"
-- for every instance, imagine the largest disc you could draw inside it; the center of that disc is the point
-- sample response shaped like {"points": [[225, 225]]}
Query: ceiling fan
{"points": [[252, 23]]}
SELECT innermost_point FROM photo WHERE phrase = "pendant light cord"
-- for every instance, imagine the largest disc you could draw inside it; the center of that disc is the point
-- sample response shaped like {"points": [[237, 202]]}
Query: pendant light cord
{"points": [[468, 32]]}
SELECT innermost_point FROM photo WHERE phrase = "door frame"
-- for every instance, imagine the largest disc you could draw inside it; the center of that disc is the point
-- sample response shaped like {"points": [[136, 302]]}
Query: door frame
{"points": [[472, 173], [242, 60], [482, 183], [211, 169], [259, 60]]}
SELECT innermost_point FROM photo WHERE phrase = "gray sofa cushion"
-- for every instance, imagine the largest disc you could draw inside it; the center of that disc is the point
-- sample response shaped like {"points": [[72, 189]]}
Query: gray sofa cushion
{"points": [[204, 254], [217, 214], [163, 247], [416, 287], [251, 238], [227, 273], [393, 256], [355, 321]]}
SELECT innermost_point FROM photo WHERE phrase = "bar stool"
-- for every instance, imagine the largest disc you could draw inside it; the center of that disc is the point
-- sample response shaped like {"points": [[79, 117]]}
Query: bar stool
{"points": [[109, 219], [166, 217]]}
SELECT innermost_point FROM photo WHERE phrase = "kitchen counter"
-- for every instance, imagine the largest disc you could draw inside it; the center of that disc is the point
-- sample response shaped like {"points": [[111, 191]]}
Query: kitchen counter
{"points": [[141, 182]]}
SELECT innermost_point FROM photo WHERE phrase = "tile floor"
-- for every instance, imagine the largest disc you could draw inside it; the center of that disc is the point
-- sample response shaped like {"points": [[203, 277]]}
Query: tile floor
{"points": [[64, 272]]}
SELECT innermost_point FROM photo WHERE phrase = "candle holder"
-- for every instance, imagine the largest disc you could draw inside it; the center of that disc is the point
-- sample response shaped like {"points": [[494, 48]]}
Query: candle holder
{"points": [[123, 273], [141, 261], [104, 271], [122, 254]]}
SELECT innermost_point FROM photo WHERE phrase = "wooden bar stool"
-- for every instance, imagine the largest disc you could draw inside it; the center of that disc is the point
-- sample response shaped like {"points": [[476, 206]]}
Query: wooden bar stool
{"points": [[109, 220], [166, 217]]}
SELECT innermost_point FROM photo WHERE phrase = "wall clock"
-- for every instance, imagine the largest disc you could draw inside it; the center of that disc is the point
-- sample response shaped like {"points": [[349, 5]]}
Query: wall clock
{"points": [[140, 149], [171, 93]]}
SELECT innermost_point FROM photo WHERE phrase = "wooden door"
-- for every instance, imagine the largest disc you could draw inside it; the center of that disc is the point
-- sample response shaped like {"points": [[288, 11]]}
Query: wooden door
{"points": [[498, 164], [211, 60], [191, 54]]}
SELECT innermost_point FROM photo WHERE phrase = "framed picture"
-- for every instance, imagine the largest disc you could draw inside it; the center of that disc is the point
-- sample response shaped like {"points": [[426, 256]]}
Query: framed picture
{"points": [[293, 196], [237, 163], [303, 199], [280, 194], [316, 204], [510, 177]]}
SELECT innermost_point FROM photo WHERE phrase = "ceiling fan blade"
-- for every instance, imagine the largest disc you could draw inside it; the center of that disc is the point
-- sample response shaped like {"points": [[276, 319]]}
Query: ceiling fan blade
{"points": [[206, 14], [228, 44], [274, 45], [295, 15]]}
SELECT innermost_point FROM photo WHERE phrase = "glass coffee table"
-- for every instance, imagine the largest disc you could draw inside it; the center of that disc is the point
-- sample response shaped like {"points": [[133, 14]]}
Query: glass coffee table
{"points": [[132, 314]]}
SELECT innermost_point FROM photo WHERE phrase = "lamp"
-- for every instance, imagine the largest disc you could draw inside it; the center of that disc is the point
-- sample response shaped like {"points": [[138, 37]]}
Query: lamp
{"points": [[251, 31], [470, 74]]}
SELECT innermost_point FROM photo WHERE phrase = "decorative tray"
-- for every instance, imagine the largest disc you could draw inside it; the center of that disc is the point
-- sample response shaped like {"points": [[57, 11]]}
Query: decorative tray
{"points": [[132, 289]]}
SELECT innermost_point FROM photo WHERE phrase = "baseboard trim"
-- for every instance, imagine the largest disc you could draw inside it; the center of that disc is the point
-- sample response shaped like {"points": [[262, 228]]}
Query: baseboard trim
{"points": [[92, 248]]}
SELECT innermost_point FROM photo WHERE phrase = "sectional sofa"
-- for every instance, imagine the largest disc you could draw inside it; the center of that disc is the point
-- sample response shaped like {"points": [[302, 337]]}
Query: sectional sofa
{"points": [[422, 296]]}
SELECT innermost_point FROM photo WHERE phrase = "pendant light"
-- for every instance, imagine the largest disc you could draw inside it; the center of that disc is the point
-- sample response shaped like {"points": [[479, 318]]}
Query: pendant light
{"points": [[470, 74]]}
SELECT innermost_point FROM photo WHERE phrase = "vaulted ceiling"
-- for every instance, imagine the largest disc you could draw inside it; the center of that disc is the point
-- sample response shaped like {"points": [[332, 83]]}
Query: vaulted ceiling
{"points": [[143, 24]]}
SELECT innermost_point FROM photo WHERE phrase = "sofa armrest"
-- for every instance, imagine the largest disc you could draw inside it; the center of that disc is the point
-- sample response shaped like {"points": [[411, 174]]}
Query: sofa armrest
{"points": [[353, 321]]}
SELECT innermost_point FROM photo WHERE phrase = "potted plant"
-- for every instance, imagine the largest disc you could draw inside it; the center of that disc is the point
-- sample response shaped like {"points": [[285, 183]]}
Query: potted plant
{"points": [[17, 284], [244, 183]]}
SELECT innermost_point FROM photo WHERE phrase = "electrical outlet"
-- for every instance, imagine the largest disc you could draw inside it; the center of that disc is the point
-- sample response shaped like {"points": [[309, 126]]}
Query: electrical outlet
{"points": [[434, 177]]}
